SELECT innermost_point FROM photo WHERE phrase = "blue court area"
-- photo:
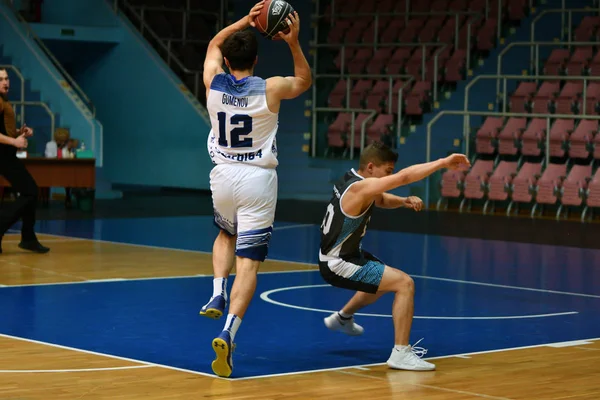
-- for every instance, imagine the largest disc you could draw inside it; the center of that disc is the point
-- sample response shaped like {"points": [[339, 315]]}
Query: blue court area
{"points": [[472, 295]]}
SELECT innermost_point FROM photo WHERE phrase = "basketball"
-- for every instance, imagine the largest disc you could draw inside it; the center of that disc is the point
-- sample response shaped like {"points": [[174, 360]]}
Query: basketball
{"points": [[272, 18]]}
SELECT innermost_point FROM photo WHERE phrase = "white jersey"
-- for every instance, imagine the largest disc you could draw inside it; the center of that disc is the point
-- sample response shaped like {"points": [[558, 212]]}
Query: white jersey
{"points": [[243, 128]]}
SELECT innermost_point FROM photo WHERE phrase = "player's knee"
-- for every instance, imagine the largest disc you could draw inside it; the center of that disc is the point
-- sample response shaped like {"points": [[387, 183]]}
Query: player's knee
{"points": [[226, 236], [405, 284], [247, 265]]}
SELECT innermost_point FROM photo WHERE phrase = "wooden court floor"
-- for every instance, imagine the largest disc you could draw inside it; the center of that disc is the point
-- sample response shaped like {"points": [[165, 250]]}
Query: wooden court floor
{"points": [[32, 370]]}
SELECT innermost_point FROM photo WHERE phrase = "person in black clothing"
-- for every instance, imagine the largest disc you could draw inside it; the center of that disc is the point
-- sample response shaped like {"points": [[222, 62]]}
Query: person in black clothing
{"points": [[14, 171]]}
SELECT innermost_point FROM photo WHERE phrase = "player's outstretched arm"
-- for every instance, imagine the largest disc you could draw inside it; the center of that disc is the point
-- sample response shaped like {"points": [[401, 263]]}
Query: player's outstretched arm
{"points": [[391, 201], [369, 189], [290, 87], [213, 63]]}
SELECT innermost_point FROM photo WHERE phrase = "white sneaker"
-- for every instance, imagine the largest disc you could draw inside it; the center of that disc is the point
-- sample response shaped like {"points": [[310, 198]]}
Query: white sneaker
{"points": [[409, 358], [348, 326]]}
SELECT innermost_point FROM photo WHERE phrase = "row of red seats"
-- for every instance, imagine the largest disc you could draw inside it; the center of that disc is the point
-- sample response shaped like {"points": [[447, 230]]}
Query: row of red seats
{"points": [[451, 64], [357, 59], [375, 95], [584, 60], [339, 134], [587, 30], [201, 5], [550, 98], [517, 136], [513, 9], [555, 184], [426, 29]]}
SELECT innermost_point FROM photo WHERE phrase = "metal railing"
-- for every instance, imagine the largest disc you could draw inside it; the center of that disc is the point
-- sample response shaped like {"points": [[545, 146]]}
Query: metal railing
{"points": [[171, 9], [534, 62], [423, 46], [313, 101], [390, 78], [87, 112], [170, 56], [562, 11], [353, 111], [31, 34], [220, 16], [22, 78], [185, 14], [467, 114], [44, 106]]}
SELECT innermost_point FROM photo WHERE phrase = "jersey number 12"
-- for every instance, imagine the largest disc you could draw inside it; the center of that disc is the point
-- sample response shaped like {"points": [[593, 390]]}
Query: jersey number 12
{"points": [[243, 127]]}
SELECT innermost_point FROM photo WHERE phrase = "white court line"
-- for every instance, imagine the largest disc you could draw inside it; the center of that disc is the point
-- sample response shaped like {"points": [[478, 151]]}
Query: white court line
{"points": [[507, 286], [49, 272], [443, 389], [292, 262], [265, 297], [146, 246], [571, 343], [282, 228], [383, 363], [304, 263], [37, 371], [117, 279], [146, 363], [361, 366], [148, 278]]}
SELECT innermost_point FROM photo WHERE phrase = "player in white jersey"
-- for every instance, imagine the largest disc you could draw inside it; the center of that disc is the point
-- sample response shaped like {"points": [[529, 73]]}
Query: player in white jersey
{"points": [[244, 117]]}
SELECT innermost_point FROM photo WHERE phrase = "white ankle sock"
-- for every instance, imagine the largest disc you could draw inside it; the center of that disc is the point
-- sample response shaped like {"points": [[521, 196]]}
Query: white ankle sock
{"points": [[344, 315], [232, 324], [400, 347], [220, 287]]}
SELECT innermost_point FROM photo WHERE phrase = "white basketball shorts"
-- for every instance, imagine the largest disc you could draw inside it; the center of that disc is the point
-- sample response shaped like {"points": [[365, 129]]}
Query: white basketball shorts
{"points": [[244, 200]]}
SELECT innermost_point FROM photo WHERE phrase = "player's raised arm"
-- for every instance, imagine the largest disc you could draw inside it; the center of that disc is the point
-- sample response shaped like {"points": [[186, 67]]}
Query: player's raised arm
{"points": [[371, 187], [289, 87], [213, 63]]}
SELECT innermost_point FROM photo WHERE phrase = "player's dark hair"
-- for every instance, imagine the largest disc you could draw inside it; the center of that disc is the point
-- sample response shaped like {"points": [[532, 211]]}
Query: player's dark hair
{"points": [[240, 49], [377, 153]]}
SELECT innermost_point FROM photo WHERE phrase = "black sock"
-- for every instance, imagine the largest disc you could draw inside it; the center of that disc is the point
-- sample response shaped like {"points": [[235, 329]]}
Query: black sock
{"points": [[344, 318]]}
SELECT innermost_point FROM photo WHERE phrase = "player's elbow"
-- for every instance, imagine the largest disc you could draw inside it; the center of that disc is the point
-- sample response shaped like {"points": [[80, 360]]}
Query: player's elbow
{"points": [[308, 81], [303, 84], [212, 45]]}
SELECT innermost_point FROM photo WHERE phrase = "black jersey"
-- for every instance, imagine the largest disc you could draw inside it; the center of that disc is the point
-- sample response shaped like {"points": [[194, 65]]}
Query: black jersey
{"points": [[341, 234]]}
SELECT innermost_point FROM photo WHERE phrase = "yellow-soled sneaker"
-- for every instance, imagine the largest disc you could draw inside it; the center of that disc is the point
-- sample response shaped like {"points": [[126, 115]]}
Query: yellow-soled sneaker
{"points": [[214, 308], [223, 346]]}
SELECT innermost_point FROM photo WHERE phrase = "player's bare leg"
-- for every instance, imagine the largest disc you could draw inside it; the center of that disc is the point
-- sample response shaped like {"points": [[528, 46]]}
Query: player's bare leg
{"points": [[223, 260], [242, 291], [393, 280], [343, 320]]}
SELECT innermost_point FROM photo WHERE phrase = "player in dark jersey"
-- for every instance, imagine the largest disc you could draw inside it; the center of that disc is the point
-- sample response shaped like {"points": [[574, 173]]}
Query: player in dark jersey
{"points": [[343, 262]]}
